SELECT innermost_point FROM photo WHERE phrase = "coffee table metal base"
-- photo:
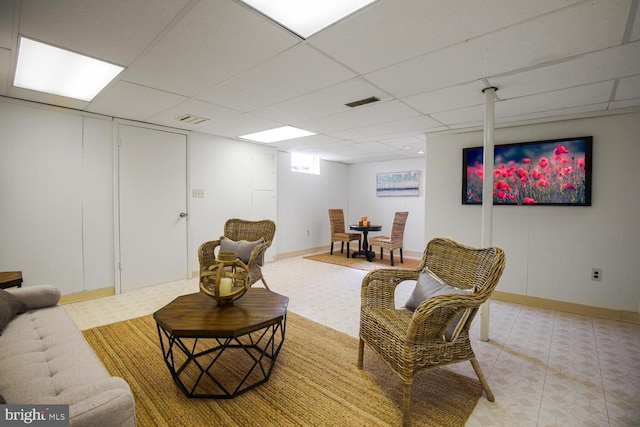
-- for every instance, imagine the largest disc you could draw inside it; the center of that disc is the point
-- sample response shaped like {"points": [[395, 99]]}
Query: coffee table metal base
{"points": [[198, 365]]}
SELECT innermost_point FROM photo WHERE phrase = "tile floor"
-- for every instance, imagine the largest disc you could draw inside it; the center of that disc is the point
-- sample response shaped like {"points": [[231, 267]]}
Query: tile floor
{"points": [[545, 367]]}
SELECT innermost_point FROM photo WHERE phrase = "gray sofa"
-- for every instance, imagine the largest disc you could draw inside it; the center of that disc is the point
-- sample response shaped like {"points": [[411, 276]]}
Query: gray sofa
{"points": [[45, 360]]}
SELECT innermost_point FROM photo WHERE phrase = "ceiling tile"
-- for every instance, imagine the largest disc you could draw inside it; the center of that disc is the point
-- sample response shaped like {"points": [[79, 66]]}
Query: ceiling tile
{"points": [[449, 98], [298, 71], [568, 112], [323, 102], [414, 142], [6, 24], [628, 88], [635, 31], [213, 42], [5, 67], [620, 61], [625, 103], [365, 115], [236, 126], [115, 30], [386, 129], [535, 42], [46, 98], [572, 97], [194, 107], [313, 141], [369, 40], [127, 100]]}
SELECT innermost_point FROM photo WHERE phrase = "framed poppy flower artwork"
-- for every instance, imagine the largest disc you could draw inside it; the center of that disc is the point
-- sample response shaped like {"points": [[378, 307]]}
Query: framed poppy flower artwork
{"points": [[553, 172]]}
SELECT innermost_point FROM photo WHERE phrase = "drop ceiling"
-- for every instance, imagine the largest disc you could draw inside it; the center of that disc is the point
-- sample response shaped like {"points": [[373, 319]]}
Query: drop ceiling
{"points": [[426, 61]]}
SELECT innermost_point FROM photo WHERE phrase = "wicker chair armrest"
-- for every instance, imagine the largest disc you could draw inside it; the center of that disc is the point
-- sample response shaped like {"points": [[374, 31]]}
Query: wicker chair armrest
{"points": [[206, 253], [378, 286], [432, 317], [257, 253]]}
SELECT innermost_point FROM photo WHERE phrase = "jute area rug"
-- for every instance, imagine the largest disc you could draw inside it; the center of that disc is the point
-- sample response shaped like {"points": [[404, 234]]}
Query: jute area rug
{"points": [[315, 382], [361, 263]]}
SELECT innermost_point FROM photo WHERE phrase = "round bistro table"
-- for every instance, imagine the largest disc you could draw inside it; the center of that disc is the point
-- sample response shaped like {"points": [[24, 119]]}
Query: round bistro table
{"points": [[365, 229]]}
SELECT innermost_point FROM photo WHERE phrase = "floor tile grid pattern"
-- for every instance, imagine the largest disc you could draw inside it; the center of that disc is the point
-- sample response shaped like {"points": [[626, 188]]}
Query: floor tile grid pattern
{"points": [[545, 367]]}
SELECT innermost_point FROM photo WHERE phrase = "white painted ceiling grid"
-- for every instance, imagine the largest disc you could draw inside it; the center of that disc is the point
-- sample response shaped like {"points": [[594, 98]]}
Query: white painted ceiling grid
{"points": [[427, 61]]}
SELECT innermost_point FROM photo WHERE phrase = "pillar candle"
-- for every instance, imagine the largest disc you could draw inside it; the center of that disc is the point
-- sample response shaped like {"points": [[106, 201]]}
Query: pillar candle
{"points": [[226, 285]]}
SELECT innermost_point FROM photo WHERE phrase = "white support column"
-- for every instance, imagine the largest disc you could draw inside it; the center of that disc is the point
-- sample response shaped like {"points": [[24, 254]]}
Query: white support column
{"points": [[487, 193]]}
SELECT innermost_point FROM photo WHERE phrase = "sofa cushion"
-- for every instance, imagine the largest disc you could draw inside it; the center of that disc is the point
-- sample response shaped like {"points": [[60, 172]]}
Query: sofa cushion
{"points": [[242, 248], [429, 285], [10, 306]]}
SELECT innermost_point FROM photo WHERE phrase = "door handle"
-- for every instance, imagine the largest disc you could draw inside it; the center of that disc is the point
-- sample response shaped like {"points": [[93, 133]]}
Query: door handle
{"points": [[183, 214]]}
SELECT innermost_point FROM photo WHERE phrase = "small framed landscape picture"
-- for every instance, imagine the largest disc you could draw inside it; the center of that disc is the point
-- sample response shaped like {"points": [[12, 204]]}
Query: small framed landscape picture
{"points": [[405, 183]]}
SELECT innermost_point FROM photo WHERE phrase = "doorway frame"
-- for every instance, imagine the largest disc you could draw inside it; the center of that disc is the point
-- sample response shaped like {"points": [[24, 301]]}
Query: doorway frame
{"points": [[116, 192]]}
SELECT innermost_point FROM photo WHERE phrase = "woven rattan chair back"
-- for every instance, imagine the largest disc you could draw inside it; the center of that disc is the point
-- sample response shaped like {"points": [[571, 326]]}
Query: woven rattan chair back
{"points": [[338, 233], [396, 240], [410, 342], [241, 229]]}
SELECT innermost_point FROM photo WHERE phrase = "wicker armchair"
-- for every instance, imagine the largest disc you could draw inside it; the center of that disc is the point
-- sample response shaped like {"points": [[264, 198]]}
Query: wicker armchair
{"points": [[239, 230], [396, 240], [338, 234], [410, 342]]}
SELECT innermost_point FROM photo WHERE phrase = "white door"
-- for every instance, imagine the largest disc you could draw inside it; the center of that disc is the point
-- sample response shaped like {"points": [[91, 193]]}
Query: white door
{"points": [[153, 205]]}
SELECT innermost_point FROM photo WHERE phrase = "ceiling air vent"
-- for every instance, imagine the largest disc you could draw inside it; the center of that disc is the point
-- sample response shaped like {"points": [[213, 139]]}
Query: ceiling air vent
{"points": [[191, 119], [363, 102]]}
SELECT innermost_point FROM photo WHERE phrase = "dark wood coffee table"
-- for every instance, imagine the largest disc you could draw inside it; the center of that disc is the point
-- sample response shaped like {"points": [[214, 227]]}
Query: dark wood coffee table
{"points": [[222, 351]]}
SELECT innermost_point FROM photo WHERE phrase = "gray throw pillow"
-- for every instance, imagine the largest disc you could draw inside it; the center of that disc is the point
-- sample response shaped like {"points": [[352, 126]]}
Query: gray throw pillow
{"points": [[430, 285], [10, 306], [242, 248]]}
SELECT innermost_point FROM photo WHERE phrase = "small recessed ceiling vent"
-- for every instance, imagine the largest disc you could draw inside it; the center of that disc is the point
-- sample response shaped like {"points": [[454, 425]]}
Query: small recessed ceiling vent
{"points": [[363, 101], [191, 119]]}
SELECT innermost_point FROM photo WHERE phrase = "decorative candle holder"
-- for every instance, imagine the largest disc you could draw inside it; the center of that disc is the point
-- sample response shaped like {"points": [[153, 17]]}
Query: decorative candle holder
{"points": [[226, 280]]}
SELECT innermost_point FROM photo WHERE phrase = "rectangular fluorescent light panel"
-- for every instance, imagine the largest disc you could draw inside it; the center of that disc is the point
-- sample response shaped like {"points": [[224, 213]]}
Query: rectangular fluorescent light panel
{"points": [[306, 17], [57, 71], [278, 134]]}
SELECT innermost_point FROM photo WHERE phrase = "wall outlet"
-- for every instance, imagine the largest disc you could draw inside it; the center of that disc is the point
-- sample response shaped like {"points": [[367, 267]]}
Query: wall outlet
{"points": [[596, 275], [198, 193]]}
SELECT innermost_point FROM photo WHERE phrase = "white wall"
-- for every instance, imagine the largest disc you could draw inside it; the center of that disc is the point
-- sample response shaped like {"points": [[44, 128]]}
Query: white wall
{"points": [[239, 180], [304, 201], [380, 210], [551, 249], [56, 215]]}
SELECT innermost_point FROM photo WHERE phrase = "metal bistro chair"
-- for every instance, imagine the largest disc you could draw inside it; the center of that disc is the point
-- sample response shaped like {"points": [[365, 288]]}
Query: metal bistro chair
{"points": [[338, 233], [250, 239], [396, 240], [436, 332]]}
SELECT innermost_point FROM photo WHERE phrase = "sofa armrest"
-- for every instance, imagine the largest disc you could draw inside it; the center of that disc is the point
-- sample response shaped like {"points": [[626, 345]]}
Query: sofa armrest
{"points": [[104, 403], [37, 296]]}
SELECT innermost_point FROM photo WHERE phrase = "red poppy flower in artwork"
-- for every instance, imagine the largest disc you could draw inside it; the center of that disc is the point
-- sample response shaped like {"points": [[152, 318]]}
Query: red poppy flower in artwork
{"points": [[542, 183], [543, 162], [526, 160], [497, 172], [528, 200], [581, 163], [522, 173], [479, 172], [537, 174], [559, 150], [501, 185], [568, 186], [501, 194]]}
